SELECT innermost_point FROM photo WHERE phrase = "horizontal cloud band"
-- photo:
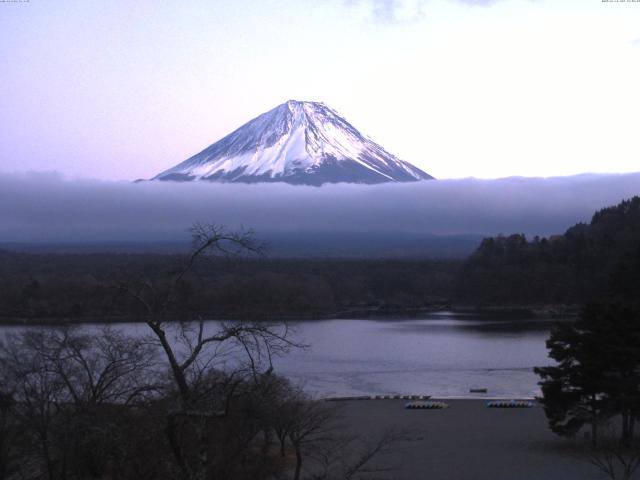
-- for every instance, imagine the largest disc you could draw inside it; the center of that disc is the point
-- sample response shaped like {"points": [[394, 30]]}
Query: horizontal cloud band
{"points": [[45, 207]]}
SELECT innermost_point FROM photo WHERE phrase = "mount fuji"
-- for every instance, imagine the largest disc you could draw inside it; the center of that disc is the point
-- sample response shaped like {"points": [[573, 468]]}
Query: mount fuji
{"points": [[300, 143]]}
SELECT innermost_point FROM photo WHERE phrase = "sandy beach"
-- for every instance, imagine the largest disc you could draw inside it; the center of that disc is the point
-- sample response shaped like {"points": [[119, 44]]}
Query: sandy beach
{"points": [[469, 441]]}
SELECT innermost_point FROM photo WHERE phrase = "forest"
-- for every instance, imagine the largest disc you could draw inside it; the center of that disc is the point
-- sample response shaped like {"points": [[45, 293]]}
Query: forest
{"points": [[591, 260], [51, 288]]}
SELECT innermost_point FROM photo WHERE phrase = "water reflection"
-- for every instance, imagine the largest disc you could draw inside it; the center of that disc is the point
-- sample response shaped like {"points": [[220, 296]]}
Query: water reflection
{"points": [[479, 326]]}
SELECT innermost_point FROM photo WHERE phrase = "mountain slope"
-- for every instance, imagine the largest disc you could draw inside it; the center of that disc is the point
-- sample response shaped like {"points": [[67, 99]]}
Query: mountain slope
{"points": [[600, 259], [296, 142]]}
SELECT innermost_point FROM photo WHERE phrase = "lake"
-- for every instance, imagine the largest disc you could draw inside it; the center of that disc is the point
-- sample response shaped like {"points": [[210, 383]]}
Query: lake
{"points": [[441, 354]]}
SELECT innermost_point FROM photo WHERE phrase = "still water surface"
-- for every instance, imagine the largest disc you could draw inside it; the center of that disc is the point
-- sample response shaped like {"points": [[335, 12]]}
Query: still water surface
{"points": [[441, 354]]}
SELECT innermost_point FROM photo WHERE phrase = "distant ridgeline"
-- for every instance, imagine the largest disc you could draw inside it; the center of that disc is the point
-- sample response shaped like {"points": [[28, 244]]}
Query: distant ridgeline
{"points": [[590, 261]]}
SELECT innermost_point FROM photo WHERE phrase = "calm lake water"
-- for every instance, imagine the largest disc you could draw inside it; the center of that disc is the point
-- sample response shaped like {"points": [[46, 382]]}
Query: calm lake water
{"points": [[441, 354]]}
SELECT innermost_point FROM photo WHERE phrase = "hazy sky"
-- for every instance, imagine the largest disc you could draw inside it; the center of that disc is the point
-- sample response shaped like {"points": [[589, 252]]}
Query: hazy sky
{"points": [[123, 90]]}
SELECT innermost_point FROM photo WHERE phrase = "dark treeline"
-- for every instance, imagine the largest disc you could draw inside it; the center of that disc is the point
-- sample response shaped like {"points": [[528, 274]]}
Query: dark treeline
{"points": [[83, 286], [589, 261]]}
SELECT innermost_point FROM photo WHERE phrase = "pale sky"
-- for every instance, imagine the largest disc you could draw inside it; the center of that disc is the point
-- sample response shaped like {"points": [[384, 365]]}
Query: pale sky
{"points": [[123, 90]]}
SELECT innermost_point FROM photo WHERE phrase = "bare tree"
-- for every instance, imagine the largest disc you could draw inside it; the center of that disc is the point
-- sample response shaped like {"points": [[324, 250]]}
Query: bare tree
{"points": [[617, 459], [107, 367], [38, 393], [350, 457], [192, 348], [62, 382], [9, 435], [316, 433], [311, 424]]}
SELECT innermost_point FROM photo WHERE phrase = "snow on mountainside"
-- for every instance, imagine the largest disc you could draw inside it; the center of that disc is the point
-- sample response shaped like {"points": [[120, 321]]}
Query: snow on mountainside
{"points": [[296, 142]]}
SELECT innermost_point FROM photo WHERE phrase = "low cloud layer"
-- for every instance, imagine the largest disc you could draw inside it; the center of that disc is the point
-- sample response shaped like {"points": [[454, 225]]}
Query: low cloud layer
{"points": [[46, 208]]}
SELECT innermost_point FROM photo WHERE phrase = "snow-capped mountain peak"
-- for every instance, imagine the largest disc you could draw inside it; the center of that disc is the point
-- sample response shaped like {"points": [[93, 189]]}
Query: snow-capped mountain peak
{"points": [[296, 142]]}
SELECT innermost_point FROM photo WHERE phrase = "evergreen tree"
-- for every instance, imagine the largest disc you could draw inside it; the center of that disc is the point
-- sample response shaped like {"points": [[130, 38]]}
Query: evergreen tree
{"points": [[598, 371]]}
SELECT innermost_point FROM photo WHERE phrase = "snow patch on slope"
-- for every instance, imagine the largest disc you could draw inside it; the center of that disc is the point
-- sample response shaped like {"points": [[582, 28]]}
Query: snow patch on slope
{"points": [[299, 142]]}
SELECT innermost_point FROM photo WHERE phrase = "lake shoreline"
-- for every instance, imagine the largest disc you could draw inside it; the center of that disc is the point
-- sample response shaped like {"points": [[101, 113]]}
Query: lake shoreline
{"points": [[442, 354], [555, 312]]}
